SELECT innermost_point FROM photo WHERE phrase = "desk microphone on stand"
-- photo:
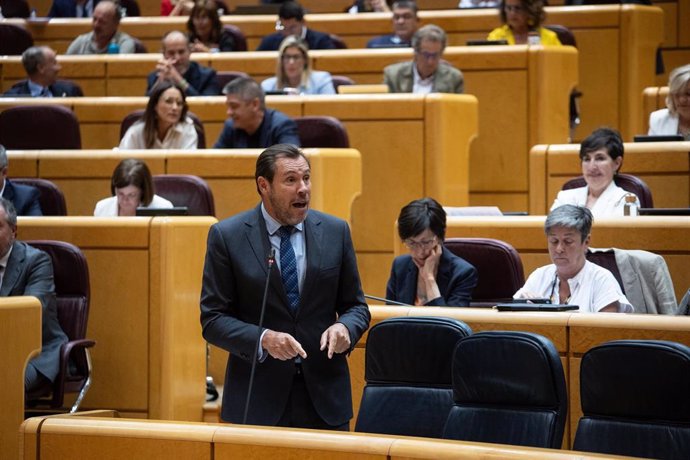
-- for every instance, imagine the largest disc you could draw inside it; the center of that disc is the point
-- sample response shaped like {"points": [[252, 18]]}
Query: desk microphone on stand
{"points": [[271, 263]]}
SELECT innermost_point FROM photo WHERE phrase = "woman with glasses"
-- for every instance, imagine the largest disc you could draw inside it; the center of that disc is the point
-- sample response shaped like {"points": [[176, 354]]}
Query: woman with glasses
{"points": [[131, 186], [675, 119], [165, 124], [571, 278], [429, 275], [206, 33], [294, 71], [522, 20]]}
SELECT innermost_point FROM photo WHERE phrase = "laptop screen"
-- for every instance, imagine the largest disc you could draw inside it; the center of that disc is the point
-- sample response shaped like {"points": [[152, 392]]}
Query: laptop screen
{"points": [[176, 211]]}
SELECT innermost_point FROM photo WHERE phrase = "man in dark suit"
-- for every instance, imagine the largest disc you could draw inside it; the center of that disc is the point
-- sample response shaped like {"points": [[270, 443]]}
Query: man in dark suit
{"points": [[315, 308], [427, 72], [177, 67], [28, 271], [251, 124], [405, 24], [24, 197], [291, 22], [42, 68]]}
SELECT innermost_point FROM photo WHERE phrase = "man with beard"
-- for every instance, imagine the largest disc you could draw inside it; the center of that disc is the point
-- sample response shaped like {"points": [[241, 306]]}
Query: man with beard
{"points": [[315, 309], [251, 125]]}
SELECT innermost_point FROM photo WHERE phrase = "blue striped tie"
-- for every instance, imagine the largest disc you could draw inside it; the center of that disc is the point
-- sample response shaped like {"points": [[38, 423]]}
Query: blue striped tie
{"points": [[288, 267]]}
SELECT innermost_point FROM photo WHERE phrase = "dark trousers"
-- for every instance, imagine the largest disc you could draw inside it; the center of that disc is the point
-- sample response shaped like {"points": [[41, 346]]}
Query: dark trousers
{"points": [[300, 412]]}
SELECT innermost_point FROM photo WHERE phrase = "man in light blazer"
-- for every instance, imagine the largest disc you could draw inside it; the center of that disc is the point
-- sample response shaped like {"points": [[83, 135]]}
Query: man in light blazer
{"points": [[426, 73], [28, 271], [302, 378]]}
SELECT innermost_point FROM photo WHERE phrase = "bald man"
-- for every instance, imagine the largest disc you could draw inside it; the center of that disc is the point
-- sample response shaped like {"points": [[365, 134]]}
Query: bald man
{"points": [[104, 24], [177, 67]]}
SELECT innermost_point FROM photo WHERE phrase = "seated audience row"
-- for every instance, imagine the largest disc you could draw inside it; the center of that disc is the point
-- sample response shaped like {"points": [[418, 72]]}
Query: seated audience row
{"points": [[432, 276]]}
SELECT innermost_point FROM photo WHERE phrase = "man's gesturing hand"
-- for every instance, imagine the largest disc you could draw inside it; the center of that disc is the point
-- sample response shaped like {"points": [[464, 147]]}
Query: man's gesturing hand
{"points": [[282, 346], [336, 338]]}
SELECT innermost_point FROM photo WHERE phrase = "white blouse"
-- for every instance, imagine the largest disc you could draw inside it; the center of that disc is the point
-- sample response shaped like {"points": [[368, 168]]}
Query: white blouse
{"points": [[107, 207], [611, 202], [181, 136]]}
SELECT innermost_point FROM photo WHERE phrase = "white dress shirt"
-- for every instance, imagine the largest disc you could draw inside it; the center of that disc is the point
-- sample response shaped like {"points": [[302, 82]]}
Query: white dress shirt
{"points": [[611, 202]]}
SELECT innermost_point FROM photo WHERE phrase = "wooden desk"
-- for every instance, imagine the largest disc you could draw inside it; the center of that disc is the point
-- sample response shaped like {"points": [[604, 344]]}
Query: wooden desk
{"points": [[664, 166], [619, 38], [111, 438], [20, 340], [145, 276]]}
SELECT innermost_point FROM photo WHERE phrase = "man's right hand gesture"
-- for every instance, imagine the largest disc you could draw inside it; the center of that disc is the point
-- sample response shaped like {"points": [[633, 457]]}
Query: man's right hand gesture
{"points": [[282, 346]]}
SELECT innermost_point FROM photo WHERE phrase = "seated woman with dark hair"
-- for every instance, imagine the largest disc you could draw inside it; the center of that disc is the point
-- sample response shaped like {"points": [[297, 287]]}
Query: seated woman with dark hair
{"points": [[430, 274], [206, 33], [571, 278], [131, 186], [601, 154], [165, 124]]}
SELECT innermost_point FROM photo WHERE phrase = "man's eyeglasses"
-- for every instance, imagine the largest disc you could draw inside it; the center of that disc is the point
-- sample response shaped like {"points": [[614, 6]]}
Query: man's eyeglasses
{"points": [[429, 56], [424, 244]]}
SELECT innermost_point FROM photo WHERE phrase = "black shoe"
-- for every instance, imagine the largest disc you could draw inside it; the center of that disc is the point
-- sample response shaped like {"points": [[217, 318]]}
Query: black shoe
{"points": [[211, 392]]}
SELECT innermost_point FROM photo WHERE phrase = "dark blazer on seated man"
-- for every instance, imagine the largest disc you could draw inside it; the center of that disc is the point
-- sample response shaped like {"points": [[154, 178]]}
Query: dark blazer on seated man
{"points": [[61, 88], [25, 198], [68, 9], [276, 128], [456, 279], [315, 39], [202, 80]]}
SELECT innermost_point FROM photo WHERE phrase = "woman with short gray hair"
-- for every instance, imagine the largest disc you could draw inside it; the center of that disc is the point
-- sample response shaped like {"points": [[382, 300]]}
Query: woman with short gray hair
{"points": [[571, 278]]}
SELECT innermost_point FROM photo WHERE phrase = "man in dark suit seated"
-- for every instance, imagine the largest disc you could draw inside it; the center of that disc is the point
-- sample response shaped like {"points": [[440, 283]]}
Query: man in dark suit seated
{"points": [[23, 197], [15, 8], [315, 308], [28, 271], [177, 67], [405, 24], [42, 68], [251, 125], [291, 22]]}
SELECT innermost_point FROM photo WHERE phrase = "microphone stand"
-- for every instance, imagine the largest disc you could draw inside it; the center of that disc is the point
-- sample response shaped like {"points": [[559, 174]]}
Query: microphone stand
{"points": [[271, 262], [392, 302]]}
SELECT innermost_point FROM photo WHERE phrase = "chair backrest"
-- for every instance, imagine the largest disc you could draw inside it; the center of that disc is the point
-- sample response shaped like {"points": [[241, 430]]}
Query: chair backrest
{"points": [[58, 126], [238, 36], [565, 36], [508, 388], [338, 42], [186, 190], [408, 376], [52, 199], [635, 400], [606, 259], [322, 131], [340, 80], [627, 182], [135, 116], [499, 266], [14, 39], [223, 77]]}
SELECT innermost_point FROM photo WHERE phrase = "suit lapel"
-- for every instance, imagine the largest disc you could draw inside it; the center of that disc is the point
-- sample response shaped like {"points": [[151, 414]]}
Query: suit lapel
{"points": [[314, 244], [407, 82], [14, 263], [444, 271], [409, 283]]}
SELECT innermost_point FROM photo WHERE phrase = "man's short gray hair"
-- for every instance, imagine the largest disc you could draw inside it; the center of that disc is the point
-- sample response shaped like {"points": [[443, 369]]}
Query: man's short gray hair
{"points": [[570, 216], [246, 90], [11, 212], [430, 32], [32, 58]]}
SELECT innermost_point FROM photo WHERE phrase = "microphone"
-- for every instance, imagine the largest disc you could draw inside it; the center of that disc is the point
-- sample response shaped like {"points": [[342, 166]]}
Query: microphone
{"points": [[392, 302], [271, 263]]}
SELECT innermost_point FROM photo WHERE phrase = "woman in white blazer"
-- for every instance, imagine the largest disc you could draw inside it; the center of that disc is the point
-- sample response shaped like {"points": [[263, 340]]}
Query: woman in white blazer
{"points": [[675, 119]]}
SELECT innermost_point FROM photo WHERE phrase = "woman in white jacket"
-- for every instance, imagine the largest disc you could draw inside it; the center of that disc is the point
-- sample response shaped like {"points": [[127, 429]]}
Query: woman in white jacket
{"points": [[675, 119]]}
